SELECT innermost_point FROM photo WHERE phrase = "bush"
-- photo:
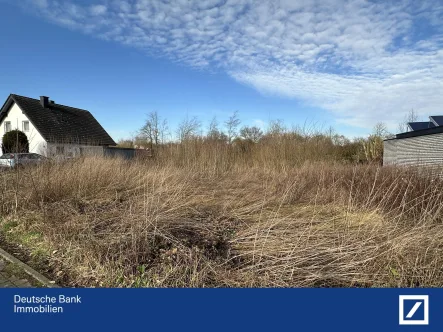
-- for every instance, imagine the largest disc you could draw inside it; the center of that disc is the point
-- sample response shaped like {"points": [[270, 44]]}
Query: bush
{"points": [[352, 152], [373, 148], [15, 141]]}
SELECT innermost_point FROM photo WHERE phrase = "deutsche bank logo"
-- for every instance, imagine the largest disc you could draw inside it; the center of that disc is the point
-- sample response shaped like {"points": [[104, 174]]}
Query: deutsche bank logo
{"points": [[414, 309]]}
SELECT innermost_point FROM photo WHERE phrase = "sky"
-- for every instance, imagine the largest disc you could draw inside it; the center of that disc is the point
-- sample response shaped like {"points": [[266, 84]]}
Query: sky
{"points": [[346, 64]]}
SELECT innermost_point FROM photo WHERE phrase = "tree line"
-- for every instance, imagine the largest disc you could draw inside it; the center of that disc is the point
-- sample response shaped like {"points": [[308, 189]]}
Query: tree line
{"points": [[155, 134]]}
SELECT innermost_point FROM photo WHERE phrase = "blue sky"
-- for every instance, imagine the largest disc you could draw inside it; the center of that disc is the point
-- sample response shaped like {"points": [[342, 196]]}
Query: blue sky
{"points": [[345, 64]]}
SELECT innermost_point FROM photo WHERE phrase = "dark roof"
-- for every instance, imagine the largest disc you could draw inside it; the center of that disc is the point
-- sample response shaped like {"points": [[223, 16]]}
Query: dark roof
{"points": [[437, 120], [420, 125], [422, 132], [59, 123]]}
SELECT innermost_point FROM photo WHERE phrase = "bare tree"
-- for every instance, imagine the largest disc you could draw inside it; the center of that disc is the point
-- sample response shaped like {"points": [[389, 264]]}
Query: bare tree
{"points": [[148, 131], [151, 130], [380, 130], [214, 133], [163, 130], [231, 126], [276, 128], [188, 128], [412, 116], [154, 129], [253, 133]]}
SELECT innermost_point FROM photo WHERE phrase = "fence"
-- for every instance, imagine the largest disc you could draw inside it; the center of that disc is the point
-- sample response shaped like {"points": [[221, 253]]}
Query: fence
{"points": [[125, 153]]}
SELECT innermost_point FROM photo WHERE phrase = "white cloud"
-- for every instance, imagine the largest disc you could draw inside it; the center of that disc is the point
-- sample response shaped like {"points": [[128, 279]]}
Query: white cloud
{"points": [[363, 61], [40, 3], [98, 9]]}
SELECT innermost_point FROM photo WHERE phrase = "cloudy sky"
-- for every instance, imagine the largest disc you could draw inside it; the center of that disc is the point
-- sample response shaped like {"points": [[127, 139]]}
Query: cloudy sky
{"points": [[346, 64]]}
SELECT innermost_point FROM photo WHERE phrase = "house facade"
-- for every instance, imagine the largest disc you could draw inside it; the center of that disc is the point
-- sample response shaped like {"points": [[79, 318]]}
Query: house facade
{"points": [[421, 146], [54, 129]]}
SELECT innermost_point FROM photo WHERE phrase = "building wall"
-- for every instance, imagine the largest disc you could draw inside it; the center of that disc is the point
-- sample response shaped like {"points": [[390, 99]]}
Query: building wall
{"points": [[64, 150], [390, 152], [37, 143], [414, 151], [125, 153]]}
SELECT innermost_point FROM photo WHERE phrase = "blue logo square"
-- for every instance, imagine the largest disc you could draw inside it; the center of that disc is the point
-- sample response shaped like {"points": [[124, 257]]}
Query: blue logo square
{"points": [[413, 310]]}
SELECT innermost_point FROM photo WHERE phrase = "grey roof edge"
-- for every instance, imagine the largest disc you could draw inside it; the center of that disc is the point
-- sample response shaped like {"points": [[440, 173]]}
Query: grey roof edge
{"points": [[6, 101], [422, 132], [13, 95], [5, 106]]}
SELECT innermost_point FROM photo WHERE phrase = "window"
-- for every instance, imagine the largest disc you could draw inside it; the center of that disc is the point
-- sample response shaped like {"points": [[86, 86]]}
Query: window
{"points": [[7, 126], [25, 126]]}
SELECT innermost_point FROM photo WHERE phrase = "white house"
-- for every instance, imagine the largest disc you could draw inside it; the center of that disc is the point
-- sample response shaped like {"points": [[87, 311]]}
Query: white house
{"points": [[53, 129]]}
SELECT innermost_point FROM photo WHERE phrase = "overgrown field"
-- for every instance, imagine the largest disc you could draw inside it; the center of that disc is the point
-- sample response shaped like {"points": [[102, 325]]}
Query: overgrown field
{"points": [[217, 222]]}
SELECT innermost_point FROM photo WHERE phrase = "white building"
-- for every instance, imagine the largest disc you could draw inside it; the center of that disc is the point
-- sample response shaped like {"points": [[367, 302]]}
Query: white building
{"points": [[53, 129]]}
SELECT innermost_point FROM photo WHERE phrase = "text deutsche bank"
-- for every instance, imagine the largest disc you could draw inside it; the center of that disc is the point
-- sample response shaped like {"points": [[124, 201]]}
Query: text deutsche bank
{"points": [[43, 304]]}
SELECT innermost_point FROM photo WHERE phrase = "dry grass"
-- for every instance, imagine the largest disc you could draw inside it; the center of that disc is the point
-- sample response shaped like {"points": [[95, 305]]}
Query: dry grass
{"points": [[215, 220]]}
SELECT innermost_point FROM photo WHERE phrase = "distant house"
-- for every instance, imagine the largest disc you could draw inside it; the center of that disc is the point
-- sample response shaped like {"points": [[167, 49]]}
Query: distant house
{"points": [[422, 145], [53, 129]]}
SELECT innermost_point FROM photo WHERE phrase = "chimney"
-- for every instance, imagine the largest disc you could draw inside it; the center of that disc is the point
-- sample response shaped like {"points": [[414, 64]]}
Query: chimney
{"points": [[44, 101]]}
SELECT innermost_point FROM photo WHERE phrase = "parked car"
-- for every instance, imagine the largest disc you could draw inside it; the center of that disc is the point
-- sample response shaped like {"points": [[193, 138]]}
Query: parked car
{"points": [[13, 160]]}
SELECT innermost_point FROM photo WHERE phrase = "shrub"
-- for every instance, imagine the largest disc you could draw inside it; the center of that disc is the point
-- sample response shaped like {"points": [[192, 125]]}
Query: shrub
{"points": [[373, 148], [15, 141]]}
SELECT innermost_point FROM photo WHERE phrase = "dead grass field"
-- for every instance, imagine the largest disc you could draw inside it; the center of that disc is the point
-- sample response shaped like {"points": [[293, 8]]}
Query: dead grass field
{"points": [[199, 223]]}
